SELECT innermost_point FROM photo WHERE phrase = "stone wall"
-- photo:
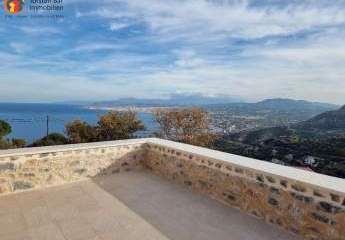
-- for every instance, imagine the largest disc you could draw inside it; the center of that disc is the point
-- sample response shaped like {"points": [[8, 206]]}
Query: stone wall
{"points": [[309, 204], [301, 207], [40, 167]]}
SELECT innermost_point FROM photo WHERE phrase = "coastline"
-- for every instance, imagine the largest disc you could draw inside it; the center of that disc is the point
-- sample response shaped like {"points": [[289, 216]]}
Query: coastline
{"points": [[150, 110]]}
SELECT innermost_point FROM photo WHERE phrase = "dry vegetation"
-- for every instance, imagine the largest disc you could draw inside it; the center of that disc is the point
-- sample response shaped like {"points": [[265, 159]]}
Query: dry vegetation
{"points": [[189, 125]]}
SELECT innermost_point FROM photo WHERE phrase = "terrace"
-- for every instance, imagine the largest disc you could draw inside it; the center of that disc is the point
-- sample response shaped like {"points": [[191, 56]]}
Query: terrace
{"points": [[157, 189]]}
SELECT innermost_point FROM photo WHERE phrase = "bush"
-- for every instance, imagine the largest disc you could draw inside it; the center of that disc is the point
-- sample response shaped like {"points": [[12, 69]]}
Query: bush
{"points": [[190, 125], [112, 126], [14, 143], [5, 129], [81, 132], [118, 125], [18, 142], [50, 140], [4, 144]]}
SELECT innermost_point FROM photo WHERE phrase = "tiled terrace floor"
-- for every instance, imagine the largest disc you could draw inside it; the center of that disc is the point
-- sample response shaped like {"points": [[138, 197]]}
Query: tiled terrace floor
{"points": [[133, 205]]}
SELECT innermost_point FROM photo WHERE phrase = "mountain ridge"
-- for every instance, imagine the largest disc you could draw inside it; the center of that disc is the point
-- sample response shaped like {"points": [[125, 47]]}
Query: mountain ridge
{"points": [[330, 120], [173, 100], [199, 100], [287, 102]]}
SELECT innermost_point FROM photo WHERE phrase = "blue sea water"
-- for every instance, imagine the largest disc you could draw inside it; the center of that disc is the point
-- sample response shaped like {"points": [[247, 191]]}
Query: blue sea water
{"points": [[29, 121]]}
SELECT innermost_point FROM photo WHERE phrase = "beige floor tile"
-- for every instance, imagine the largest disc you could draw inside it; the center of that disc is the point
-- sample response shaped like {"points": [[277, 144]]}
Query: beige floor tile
{"points": [[94, 238], [85, 203], [9, 204], [126, 206], [37, 216], [101, 221], [47, 232], [30, 199], [117, 234], [77, 229], [63, 212], [12, 223], [24, 235]]}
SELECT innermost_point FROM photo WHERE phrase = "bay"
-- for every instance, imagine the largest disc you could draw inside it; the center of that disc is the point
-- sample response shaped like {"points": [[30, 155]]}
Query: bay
{"points": [[29, 120]]}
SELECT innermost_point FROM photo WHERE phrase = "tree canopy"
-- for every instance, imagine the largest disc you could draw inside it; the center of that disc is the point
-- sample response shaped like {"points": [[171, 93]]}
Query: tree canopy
{"points": [[5, 128], [81, 132], [111, 126], [188, 125], [50, 140], [118, 125]]}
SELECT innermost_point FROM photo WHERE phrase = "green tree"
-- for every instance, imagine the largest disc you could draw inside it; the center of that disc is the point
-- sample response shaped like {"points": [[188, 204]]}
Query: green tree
{"points": [[81, 132], [50, 140], [111, 126], [5, 128], [118, 125]]}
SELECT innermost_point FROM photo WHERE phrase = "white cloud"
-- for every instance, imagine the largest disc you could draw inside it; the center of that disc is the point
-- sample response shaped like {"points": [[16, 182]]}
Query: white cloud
{"points": [[89, 47], [237, 19], [39, 30], [216, 47], [20, 48], [188, 59], [115, 26]]}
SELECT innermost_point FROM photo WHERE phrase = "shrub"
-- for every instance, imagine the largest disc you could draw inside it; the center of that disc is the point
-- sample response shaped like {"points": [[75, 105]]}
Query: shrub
{"points": [[189, 125], [118, 125], [112, 126], [51, 139], [4, 144], [5, 128], [18, 142], [81, 132]]}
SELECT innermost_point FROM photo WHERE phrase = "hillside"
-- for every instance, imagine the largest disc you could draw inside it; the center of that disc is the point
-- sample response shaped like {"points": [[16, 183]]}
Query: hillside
{"points": [[293, 105], [328, 121], [268, 113], [261, 135]]}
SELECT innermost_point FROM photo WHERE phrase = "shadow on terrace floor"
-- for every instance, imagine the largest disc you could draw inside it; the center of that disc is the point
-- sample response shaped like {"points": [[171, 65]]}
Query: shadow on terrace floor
{"points": [[180, 214], [125, 206]]}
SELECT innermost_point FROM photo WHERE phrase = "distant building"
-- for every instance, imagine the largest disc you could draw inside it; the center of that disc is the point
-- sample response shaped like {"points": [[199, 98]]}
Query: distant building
{"points": [[310, 161]]}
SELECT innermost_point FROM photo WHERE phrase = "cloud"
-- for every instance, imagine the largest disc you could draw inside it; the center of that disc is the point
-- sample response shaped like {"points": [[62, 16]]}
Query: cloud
{"points": [[38, 30], [89, 47], [115, 26], [234, 19], [152, 48], [188, 59], [20, 48]]}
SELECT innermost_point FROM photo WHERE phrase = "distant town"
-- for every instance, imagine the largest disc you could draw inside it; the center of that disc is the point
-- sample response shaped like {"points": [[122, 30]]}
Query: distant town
{"points": [[303, 134]]}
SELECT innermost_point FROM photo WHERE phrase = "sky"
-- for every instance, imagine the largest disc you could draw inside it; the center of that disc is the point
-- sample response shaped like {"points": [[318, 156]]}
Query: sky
{"points": [[108, 49]]}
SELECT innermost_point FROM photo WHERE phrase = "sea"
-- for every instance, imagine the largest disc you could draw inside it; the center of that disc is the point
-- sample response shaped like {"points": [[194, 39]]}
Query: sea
{"points": [[29, 121]]}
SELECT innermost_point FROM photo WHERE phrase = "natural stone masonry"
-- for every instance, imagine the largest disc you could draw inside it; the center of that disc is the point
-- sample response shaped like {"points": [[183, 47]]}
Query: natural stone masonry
{"points": [[43, 167], [301, 207], [308, 204]]}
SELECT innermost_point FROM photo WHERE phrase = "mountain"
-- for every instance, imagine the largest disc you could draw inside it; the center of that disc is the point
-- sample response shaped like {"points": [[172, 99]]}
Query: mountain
{"points": [[329, 121], [290, 104], [262, 135], [282, 105], [272, 112], [173, 100]]}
